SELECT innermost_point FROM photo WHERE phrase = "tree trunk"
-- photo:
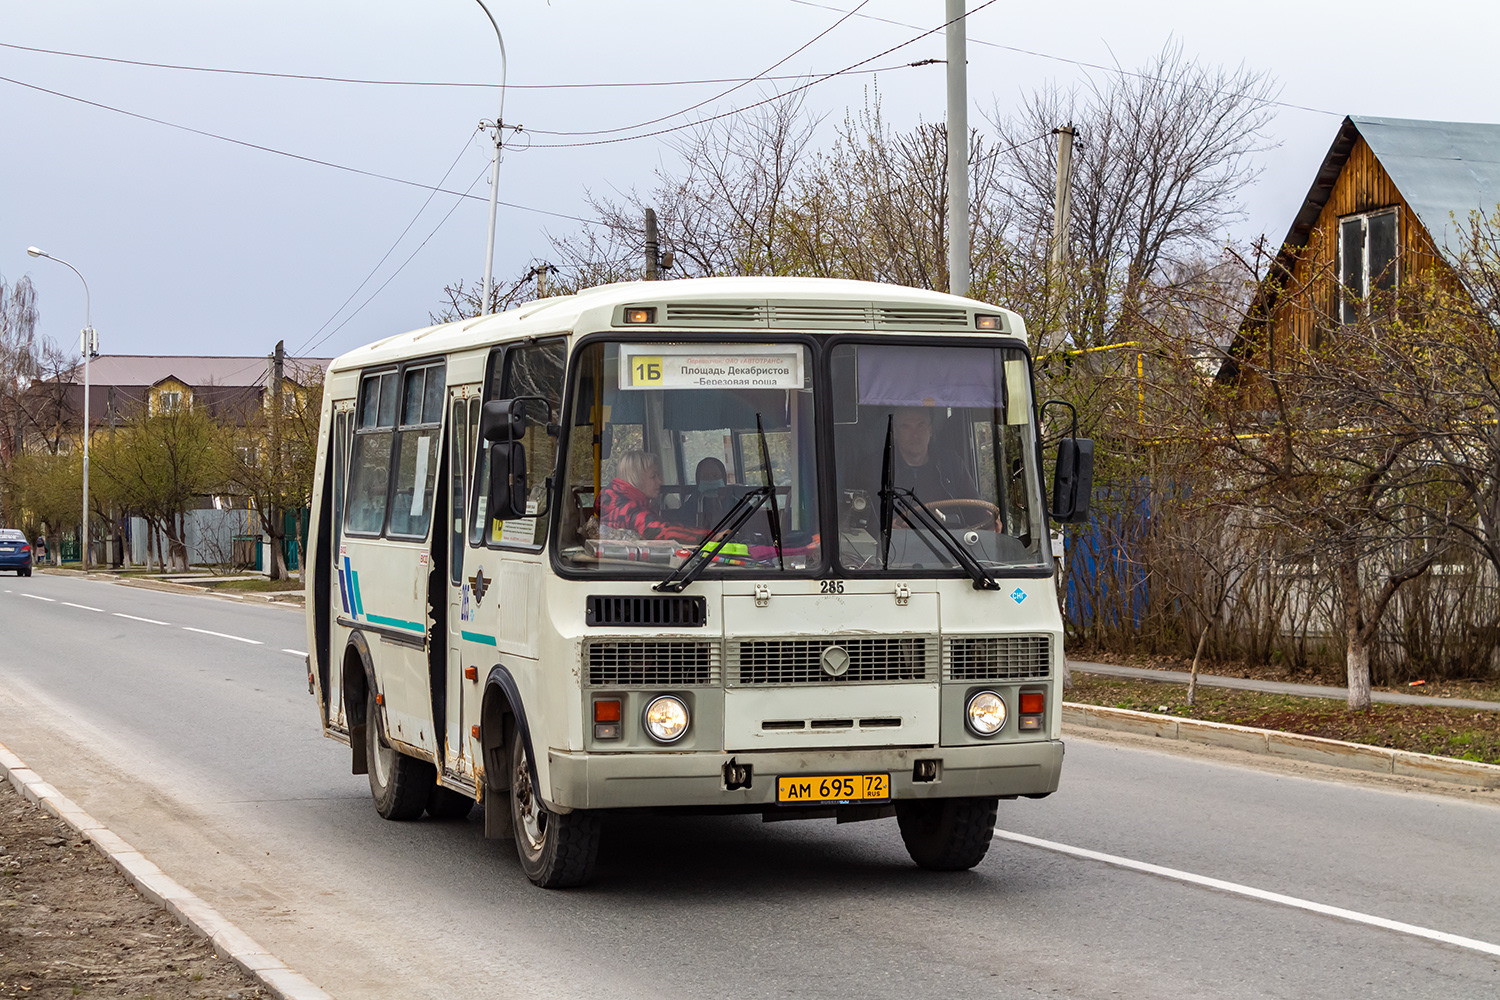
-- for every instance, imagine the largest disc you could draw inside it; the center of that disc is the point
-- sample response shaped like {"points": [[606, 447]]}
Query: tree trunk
{"points": [[1358, 660], [1192, 691], [1357, 647]]}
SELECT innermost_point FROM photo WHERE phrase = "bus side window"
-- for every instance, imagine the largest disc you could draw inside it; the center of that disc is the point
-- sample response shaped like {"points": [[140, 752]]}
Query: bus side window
{"points": [[370, 457], [417, 450], [529, 370]]}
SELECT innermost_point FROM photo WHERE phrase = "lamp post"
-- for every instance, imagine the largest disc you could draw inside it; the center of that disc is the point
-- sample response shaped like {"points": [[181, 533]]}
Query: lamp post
{"points": [[489, 251], [90, 348]]}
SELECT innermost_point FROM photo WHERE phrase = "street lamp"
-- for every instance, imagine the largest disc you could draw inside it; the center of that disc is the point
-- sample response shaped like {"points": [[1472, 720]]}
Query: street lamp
{"points": [[90, 348], [489, 251]]}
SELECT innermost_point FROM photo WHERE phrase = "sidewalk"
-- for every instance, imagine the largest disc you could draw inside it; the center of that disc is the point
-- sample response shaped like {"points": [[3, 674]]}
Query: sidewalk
{"points": [[1274, 687]]}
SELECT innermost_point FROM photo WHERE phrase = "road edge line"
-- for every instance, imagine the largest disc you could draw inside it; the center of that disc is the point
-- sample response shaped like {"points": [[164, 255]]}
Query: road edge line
{"points": [[1314, 749], [160, 888]]}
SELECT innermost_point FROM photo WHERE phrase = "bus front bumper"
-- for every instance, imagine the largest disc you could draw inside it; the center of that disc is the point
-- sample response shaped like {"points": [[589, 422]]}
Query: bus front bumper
{"points": [[695, 779]]}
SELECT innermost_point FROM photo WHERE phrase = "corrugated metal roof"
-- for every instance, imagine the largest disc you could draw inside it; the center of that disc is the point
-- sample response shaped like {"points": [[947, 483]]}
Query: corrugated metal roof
{"points": [[1444, 170]]}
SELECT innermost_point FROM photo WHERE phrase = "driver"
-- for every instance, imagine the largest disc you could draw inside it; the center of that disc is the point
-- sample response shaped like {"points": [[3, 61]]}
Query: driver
{"points": [[628, 506], [918, 467]]}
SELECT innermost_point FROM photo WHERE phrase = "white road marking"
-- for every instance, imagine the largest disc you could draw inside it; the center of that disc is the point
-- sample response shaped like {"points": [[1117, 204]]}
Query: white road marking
{"points": [[84, 607], [1337, 912], [39, 597], [295, 652], [138, 618], [222, 635]]}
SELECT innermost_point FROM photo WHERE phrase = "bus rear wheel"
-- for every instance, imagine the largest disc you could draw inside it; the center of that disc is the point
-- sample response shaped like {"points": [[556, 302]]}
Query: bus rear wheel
{"points": [[947, 835], [557, 850], [399, 784]]}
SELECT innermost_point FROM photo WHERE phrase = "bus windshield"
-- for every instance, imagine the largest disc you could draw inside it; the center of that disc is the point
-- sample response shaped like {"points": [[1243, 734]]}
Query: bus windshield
{"points": [[945, 430], [664, 442]]}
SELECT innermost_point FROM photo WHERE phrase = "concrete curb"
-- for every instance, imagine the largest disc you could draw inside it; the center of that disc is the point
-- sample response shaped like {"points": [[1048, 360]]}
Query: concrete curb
{"points": [[281, 598], [1290, 746], [157, 886]]}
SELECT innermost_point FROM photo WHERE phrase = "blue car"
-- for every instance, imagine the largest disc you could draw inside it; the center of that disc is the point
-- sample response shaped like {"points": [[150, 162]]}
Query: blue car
{"points": [[15, 551]]}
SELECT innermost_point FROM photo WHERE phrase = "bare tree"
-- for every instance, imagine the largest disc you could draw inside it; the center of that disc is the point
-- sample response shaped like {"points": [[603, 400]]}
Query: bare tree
{"points": [[1162, 156]]}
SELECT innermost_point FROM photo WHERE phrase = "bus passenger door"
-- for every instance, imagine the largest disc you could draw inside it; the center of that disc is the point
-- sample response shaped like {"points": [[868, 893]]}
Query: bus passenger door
{"points": [[463, 425]]}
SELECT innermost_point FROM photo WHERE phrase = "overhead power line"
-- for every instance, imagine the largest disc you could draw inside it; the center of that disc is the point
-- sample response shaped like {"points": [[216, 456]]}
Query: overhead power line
{"points": [[795, 90], [762, 75], [1047, 55], [459, 84], [278, 152]]}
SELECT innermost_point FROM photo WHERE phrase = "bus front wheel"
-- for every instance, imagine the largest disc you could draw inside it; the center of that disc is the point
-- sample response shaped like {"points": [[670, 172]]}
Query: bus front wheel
{"points": [[399, 784], [557, 850], [947, 835]]}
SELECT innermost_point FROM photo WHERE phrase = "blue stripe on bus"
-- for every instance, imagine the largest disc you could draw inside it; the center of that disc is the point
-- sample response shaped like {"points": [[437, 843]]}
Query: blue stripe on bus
{"points": [[479, 637], [343, 591]]}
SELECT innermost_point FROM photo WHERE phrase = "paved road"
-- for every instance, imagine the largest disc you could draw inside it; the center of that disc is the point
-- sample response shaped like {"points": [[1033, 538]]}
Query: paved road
{"points": [[1274, 687], [202, 750]]}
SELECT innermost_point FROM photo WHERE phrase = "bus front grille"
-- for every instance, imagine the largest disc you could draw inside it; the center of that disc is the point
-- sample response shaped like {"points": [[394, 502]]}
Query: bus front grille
{"points": [[834, 660], [997, 658], [661, 663]]}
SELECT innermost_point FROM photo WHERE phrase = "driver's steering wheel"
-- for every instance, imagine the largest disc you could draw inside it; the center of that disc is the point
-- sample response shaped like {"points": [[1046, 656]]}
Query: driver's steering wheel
{"points": [[967, 504]]}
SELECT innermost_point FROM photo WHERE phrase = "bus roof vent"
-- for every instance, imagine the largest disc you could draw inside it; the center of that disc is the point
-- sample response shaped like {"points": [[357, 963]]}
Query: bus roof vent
{"points": [[922, 317], [636, 611], [823, 315], [714, 314]]}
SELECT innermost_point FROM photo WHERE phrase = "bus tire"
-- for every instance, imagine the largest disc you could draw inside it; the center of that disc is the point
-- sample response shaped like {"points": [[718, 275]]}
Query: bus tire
{"points": [[400, 785], [947, 835], [445, 803], [557, 850]]}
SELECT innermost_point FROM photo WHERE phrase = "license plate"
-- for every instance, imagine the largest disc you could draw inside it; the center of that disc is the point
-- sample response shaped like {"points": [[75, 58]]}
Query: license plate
{"points": [[797, 789]]}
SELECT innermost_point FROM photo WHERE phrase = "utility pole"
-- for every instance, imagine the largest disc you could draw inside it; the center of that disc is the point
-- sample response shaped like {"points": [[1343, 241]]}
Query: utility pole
{"points": [[958, 149], [652, 272], [276, 470], [489, 246], [1062, 212]]}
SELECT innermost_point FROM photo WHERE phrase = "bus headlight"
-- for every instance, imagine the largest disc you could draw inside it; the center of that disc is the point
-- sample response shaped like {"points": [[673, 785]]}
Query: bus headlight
{"points": [[666, 719], [985, 713]]}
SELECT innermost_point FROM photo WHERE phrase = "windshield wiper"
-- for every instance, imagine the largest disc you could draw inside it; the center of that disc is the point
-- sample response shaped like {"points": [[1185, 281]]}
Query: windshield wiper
{"points": [[765, 471], [733, 520], [919, 516]]}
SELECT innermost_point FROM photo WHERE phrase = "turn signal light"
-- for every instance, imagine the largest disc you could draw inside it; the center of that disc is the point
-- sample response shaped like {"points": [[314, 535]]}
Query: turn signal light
{"points": [[1033, 708], [641, 315], [471, 673], [607, 713]]}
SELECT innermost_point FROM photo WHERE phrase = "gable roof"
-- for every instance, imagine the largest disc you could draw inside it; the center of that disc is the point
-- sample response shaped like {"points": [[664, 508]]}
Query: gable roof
{"points": [[1444, 170], [191, 370]]}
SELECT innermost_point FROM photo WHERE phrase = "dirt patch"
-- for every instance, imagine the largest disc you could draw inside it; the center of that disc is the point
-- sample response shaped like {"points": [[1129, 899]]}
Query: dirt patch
{"points": [[71, 926]]}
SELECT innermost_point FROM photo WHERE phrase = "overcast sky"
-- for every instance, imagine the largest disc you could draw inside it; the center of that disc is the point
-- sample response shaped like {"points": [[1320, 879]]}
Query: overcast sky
{"points": [[192, 244]]}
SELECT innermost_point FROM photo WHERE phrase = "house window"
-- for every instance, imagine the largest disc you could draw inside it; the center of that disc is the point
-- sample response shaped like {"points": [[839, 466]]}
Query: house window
{"points": [[1368, 260], [168, 401]]}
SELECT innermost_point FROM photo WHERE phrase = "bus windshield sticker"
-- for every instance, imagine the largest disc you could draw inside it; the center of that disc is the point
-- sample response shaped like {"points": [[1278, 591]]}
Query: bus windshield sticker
{"points": [[710, 366]]}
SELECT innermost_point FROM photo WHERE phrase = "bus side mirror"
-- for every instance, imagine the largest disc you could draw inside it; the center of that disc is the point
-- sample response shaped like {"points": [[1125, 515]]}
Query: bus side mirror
{"points": [[1073, 480], [507, 497], [502, 420]]}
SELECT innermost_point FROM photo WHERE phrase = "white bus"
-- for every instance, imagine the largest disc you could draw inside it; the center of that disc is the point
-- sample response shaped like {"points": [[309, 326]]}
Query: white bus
{"points": [[765, 545]]}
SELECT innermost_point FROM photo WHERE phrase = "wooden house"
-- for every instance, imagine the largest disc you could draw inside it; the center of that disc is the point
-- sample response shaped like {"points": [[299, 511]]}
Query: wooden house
{"points": [[1388, 202]]}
